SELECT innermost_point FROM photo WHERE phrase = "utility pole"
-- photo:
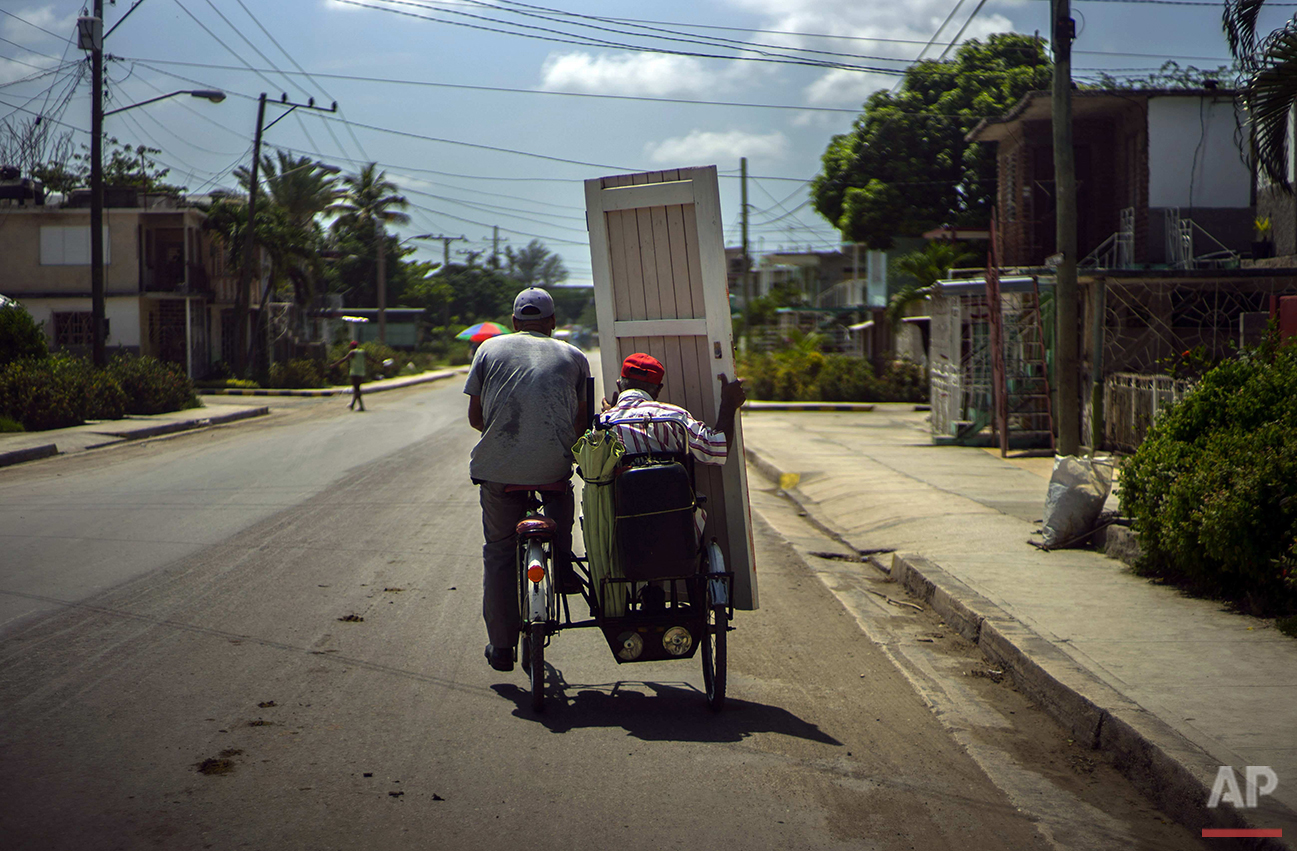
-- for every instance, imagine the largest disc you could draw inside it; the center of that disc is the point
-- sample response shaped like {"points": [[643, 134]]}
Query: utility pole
{"points": [[1066, 359], [382, 282], [445, 245], [747, 258], [242, 296], [98, 311]]}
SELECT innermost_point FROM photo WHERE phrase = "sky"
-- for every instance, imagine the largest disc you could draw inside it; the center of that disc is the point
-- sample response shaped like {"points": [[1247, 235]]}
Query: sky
{"points": [[491, 113]]}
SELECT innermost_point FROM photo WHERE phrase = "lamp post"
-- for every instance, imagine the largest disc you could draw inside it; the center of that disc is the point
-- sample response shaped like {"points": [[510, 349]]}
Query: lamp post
{"points": [[90, 37]]}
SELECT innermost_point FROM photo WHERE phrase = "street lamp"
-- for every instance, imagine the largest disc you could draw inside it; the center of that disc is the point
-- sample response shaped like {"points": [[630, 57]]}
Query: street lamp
{"points": [[214, 95]]}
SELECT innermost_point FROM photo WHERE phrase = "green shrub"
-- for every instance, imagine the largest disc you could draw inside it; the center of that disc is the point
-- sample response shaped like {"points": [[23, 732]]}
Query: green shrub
{"points": [[102, 397], [10, 425], [801, 375], [231, 383], [903, 381], [31, 394], [300, 372], [20, 336], [1212, 490], [152, 386], [847, 379]]}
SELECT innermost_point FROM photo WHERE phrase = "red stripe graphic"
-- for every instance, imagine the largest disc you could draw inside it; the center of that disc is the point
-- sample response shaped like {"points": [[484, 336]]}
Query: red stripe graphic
{"points": [[1241, 833]]}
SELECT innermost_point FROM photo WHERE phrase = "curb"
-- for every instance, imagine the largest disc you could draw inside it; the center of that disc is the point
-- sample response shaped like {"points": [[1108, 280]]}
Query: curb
{"points": [[332, 391], [33, 453], [808, 406], [181, 425], [1170, 770]]}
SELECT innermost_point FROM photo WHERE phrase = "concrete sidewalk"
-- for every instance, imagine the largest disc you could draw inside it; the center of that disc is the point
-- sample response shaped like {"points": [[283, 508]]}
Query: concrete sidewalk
{"points": [[16, 448], [1172, 687]]}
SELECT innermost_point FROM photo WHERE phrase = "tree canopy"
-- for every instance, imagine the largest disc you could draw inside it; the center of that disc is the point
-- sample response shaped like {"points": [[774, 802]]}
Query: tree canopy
{"points": [[905, 168]]}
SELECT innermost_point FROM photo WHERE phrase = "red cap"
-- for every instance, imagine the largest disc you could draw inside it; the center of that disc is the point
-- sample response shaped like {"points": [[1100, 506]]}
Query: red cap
{"points": [[354, 344], [643, 367]]}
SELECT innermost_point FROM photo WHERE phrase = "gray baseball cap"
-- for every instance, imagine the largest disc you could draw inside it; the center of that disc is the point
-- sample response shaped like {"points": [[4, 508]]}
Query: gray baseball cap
{"points": [[533, 303]]}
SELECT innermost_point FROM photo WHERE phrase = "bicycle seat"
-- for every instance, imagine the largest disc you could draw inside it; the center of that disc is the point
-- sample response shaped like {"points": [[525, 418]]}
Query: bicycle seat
{"points": [[552, 487], [536, 527]]}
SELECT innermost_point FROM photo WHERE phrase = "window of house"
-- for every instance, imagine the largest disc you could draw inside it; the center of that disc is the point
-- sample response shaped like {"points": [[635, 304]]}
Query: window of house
{"points": [[70, 246], [74, 328]]}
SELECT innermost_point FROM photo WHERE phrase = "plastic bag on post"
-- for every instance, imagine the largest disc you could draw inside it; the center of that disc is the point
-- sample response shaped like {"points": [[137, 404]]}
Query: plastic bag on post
{"points": [[1078, 489]]}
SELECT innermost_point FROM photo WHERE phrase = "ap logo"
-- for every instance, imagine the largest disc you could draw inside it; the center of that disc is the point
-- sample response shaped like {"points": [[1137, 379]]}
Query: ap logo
{"points": [[1259, 780]]}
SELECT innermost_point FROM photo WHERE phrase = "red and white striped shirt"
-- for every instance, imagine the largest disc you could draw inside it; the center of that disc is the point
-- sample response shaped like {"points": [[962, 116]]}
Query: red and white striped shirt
{"points": [[646, 425]]}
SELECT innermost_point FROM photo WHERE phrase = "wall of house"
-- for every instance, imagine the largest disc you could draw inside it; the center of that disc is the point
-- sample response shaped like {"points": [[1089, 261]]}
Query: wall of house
{"points": [[123, 314], [1193, 154], [20, 246]]}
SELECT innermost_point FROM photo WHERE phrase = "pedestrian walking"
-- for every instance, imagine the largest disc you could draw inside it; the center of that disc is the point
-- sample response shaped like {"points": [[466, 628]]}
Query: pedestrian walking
{"points": [[359, 359]]}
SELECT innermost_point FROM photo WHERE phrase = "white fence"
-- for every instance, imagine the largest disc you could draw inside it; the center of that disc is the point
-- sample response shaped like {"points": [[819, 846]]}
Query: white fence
{"points": [[1132, 402]]}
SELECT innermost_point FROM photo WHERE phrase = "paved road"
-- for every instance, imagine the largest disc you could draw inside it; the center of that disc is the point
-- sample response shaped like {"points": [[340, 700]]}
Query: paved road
{"points": [[268, 637]]}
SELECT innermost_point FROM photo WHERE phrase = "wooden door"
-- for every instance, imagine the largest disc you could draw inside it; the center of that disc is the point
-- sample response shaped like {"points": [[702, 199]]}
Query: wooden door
{"points": [[660, 287]]}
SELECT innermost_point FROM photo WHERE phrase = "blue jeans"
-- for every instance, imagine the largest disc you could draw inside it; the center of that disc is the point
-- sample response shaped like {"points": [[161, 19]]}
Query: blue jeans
{"points": [[501, 512]]}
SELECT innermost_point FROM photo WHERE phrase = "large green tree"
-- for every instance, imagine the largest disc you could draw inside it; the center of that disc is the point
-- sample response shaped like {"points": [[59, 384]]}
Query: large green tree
{"points": [[535, 265], [299, 185], [905, 167], [368, 202]]}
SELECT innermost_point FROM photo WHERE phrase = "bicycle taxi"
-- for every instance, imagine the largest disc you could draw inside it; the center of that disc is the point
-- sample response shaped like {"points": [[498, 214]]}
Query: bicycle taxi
{"points": [[654, 587]]}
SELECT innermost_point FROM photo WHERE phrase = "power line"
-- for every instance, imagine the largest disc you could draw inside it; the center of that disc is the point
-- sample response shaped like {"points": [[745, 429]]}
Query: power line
{"points": [[587, 41], [504, 89], [33, 26], [218, 40], [671, 34], [255, 49], [28, 49], [275, 42], [408, 134]]}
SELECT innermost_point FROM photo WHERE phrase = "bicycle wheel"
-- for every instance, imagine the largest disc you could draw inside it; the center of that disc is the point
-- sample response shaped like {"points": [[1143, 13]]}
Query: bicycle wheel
{"points": [[536, 651], [717, 625]]}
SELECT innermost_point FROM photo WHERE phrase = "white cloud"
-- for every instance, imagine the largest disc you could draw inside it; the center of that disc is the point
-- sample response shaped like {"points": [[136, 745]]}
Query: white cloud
{"points": [[639, 74], [21, 66], [840, 87], [901, 30], [706, 146], [25, 25]]}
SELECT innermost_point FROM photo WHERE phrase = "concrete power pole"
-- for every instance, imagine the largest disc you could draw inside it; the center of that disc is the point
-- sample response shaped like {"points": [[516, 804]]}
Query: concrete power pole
{"points": [[747, 258], [98, 310], [1066, 360]]}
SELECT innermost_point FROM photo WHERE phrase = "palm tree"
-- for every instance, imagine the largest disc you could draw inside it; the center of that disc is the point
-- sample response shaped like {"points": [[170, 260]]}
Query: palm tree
{"points": [[1269, 83], [927, 266], [367, 203], [301, 186]]}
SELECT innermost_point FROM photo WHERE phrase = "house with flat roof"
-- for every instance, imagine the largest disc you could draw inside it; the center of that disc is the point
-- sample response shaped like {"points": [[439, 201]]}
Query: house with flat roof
{"points": [[168, 290]]}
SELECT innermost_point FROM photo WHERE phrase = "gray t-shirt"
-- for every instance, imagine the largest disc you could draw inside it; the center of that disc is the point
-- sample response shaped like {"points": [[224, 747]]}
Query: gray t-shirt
{"points": [[530, 386]]}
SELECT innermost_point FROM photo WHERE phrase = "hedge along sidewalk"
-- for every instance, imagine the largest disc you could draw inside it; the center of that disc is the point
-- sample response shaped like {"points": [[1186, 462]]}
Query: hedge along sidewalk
{"points": [[368, 387], [1171, 687], [16, 448]]}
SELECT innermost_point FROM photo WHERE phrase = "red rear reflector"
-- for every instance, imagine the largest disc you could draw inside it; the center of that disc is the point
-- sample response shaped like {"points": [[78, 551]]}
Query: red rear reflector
{"points": [[535, 573]]}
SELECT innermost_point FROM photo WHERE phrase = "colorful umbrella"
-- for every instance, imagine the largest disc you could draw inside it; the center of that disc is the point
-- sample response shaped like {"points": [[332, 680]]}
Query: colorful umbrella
{"points": [[481, 331]]}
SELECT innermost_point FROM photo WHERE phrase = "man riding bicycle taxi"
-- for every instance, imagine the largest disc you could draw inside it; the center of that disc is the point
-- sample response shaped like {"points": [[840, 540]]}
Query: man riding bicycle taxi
{"points": [[527, 396]]}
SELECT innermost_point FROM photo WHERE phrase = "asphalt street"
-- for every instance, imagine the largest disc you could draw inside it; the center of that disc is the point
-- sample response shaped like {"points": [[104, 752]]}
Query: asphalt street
{"points": [[269, 636]]}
